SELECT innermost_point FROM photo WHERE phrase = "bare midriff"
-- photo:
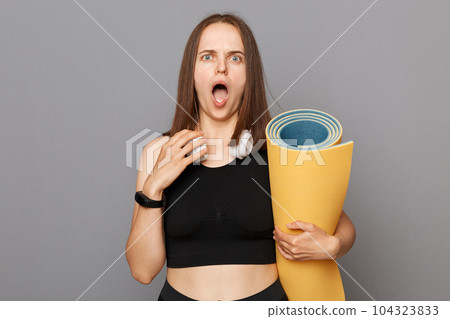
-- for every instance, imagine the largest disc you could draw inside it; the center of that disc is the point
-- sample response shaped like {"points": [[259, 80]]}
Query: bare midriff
{"points": [[222, 282]]}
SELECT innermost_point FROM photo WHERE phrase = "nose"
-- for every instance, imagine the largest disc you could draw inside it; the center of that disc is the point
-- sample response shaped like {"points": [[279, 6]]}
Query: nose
{"points": [[221, 66]]}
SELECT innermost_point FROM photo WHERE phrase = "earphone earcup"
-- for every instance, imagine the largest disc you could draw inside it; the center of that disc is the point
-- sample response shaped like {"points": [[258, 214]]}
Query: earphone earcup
{"points": [[245, 146]]}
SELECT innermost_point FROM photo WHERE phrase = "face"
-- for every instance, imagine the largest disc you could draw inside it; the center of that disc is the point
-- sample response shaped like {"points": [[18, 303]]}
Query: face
{"points": [[220, 58]]}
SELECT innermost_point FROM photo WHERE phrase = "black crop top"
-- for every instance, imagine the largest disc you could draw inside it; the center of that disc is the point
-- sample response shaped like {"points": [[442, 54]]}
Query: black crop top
{"points": [[223, 217]]}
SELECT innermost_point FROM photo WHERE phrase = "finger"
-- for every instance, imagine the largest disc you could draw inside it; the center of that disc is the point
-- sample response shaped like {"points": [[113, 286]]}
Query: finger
{"points": [[285, 254], [167, 148], [193, 157], [286, 246], [198, 155], [186, 138], [285, 237], [176, 136], [174, 147], [302, 257], [299, 224], [189, 147]]}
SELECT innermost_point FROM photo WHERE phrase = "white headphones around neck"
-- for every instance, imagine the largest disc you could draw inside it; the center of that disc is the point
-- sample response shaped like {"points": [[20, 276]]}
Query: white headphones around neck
{"points": [[243, 149]]}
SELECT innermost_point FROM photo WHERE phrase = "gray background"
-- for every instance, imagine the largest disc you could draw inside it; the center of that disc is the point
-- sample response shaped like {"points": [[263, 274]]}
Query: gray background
{"points": [[71, 98]]}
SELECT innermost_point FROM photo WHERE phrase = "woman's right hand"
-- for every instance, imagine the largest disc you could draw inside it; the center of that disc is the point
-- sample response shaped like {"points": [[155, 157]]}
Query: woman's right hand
{"points": [[166, 170]]}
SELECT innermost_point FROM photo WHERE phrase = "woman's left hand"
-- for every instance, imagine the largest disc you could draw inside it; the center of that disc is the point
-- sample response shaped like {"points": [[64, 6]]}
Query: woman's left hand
{"points": [[302, 247]]}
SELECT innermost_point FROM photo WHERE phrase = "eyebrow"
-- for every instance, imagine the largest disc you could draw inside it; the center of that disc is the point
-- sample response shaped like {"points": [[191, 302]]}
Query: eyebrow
{"points": [[213, 51]]}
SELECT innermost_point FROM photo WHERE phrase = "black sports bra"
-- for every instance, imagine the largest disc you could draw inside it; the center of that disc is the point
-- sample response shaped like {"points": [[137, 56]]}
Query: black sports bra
{"points": [[220, 215]]}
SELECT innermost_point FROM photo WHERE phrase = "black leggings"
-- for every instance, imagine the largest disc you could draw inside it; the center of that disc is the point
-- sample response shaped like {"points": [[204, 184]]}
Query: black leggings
{"points": [[274, 292]]}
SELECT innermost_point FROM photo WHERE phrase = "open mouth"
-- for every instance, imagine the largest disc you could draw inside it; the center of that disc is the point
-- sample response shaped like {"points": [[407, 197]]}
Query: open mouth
{"points": [[220, 94]]}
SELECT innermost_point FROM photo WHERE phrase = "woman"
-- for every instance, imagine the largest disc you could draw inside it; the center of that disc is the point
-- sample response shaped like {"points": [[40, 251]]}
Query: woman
{"points": [[216, 229]]}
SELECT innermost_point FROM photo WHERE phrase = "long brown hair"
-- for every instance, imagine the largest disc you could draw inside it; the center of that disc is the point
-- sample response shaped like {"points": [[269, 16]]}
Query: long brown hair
{"points": [[254, 97]]}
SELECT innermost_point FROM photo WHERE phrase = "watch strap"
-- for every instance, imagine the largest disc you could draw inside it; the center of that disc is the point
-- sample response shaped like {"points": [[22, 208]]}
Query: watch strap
{"points": [[144, 201]]}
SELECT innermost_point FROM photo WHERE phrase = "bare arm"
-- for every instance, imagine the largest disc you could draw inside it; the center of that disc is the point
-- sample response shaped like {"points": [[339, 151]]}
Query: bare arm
{"points": [[145, 250], [346, 233]]}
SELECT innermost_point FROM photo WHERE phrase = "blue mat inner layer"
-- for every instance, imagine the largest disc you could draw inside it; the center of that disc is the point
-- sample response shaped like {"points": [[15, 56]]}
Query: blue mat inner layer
{"points": [[296, 133]]}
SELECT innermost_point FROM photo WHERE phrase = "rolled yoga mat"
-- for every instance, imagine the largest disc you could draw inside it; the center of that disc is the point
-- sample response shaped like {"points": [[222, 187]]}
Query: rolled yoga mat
{"points": [[309, 171]]}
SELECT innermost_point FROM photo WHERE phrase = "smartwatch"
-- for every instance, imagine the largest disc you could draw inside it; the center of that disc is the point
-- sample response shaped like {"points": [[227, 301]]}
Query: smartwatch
{"points": [[144, 201]]}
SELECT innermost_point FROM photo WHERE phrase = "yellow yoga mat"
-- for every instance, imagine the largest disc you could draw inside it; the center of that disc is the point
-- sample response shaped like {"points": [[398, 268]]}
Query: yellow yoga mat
{"points": [[309, 170]]}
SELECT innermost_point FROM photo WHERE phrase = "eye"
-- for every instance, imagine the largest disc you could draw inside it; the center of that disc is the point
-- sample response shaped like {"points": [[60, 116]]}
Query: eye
{"points": [[207, 55], [235, 58]]}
